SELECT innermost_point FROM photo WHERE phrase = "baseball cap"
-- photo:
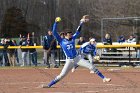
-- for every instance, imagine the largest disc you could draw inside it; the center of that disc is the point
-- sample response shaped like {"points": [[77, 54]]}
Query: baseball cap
{"points": [[92, 39]]}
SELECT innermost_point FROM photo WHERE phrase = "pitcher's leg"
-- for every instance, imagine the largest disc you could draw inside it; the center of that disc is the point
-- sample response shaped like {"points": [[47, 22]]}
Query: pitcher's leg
{"points": [[67, 67], [88, 65], [90, 58]]}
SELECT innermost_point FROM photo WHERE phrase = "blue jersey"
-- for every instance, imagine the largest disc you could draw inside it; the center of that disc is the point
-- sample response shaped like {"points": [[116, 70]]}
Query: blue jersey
{"points": [[88, 48], [68, 46]]}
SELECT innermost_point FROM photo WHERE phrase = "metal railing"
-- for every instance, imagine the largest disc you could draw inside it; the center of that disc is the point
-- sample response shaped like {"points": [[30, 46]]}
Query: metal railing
{"points": [[99, 46]]}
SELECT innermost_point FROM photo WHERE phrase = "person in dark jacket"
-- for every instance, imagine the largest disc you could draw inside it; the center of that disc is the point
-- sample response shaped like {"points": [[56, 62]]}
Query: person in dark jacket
{"points": [[121, 39], [32, 52], [11, 55], [5, 55], [1, 55], [81, 41], [16, 51], [138, 48], [49, 46], [107, 41]]}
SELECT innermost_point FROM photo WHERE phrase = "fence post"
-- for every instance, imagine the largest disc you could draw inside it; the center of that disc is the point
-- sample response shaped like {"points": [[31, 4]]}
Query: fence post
{"points": [[129, 56]]}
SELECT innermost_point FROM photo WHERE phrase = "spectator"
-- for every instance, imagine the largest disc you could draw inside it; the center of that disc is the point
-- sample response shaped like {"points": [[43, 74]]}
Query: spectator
{"points": [[131, 39], [90, 38], [107, 41], [23, 42], [11, 55], [32, 52], [1, 55], [121, 39], [138, 52], [138, 48], [49, 46], [62, 35], [6, 60], [16, 51], [81, 41]]}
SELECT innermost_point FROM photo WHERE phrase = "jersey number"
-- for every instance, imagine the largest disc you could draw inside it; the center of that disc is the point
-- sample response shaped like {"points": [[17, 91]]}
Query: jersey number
{"points": [[69, 46]]}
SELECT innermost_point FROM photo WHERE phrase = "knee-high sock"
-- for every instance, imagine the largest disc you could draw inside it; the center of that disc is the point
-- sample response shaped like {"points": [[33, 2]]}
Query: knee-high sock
{"points": [[98, 72], [52, 82]]}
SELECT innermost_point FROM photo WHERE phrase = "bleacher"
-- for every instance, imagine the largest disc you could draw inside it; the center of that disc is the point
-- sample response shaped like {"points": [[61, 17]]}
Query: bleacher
{"points": [[116, 56]]}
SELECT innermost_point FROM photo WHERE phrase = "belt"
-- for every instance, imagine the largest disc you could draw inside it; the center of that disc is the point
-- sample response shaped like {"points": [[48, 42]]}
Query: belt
{"points": [[70, 57]]}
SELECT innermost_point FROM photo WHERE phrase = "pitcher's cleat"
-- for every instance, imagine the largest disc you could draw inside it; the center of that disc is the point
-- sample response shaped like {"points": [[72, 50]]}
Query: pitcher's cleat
{"points": [[45, 86], [92, 72], [73, 69], [106, 79]]}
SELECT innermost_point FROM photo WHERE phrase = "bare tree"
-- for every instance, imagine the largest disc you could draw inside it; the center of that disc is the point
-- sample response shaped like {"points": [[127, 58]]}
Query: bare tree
{"points": [[40, 14]]}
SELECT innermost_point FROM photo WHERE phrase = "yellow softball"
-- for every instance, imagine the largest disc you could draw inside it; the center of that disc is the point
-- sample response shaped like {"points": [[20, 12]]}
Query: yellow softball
{"points": [[58, 19]]}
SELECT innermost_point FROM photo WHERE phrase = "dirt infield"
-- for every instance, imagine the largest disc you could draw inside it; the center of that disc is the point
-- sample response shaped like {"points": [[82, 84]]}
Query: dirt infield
{"points": [[28, 80]]}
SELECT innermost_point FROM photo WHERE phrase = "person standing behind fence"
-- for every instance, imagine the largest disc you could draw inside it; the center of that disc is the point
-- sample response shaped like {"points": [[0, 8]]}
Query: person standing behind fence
{"points": [[121, 39], [11, 55], [138, 48], [1, 55], [131, 39], [5, 46], [107, 41], [32, 52], [16, 51], [49, 46], [81, 41], [23, 42]]}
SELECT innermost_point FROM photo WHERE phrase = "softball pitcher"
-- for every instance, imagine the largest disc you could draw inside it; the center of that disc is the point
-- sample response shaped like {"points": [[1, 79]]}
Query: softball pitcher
{"points": [[68, 46]]}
